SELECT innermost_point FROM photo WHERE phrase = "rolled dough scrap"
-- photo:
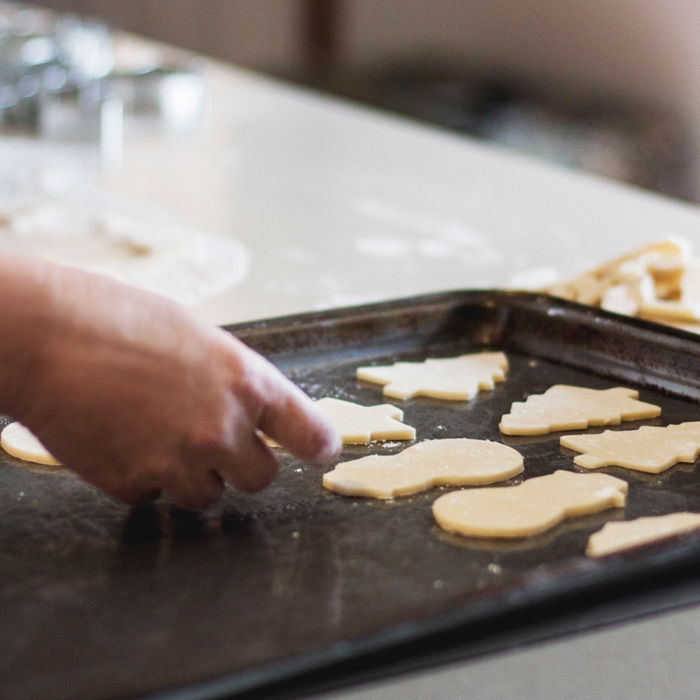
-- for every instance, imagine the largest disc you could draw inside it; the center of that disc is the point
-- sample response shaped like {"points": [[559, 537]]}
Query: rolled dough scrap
{"points": [[589, 287], [22, 443], [689, 327], [452, 378], [359, 425], [660, 282], [649, 449], [456, 462], [622, 535], [532, 507], [620, 299], [677, 299], [564, 407]]}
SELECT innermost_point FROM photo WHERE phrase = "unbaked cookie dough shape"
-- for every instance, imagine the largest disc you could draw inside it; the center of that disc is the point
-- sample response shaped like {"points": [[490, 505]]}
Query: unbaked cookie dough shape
{"points": [[564, 407], [359, 425], [622, 535], [450, 462], [20, 442], [648, 449], [530, 508], [452, 378]]}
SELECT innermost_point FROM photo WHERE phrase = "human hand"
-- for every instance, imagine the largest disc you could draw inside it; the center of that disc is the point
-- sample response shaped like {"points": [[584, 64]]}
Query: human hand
{"points": [[137, 396]]}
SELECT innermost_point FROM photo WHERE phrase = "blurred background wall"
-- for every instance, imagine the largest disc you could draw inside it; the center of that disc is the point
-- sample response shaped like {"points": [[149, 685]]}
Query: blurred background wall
{"points": [[260, 34], [640, 58]]}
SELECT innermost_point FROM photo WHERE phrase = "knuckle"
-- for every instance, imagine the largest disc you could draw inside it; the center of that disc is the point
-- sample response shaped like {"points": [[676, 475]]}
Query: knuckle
{"points": [[252, 483], [194, 500], [254, 475], [256, 385], [139, 482], [209, 437], [200, 493], [132, 493]]}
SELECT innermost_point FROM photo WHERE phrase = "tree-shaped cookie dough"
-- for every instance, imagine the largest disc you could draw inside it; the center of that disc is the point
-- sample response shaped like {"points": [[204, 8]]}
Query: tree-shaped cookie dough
{"points": [[453, 378], [532, 507], [457, 462], [564, 407], [627, 534], [648, 449], [363, 424]]}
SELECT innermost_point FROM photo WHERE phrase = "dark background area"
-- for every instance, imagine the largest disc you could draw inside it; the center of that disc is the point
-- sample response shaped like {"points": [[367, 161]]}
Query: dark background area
{"points": [[610, 88]]}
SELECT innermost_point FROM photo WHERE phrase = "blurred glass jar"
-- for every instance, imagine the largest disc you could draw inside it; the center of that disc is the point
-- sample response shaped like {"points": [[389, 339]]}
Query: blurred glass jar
{"points": [[88, 114], [167, 99], [45, 60], [65, 79]]}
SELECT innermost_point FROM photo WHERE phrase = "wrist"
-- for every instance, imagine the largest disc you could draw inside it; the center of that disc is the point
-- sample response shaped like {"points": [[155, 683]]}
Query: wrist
{"points": [[29, 294]]}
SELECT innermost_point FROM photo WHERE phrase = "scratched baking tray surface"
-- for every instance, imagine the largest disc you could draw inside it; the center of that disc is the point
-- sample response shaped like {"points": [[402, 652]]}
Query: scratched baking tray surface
{"points": [[99, 601]]}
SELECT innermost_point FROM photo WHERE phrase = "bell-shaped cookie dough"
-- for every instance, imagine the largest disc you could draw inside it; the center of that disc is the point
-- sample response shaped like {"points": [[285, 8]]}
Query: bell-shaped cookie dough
{"points": [[455, 462], [564, 407], [22, 443], [530, 508], [359, 425], [620, 535], [648, 449], [452, 378]]}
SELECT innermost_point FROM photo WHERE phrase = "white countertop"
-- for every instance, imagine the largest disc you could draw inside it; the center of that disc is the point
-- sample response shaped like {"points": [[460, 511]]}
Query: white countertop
{"points": [[339, 205]]}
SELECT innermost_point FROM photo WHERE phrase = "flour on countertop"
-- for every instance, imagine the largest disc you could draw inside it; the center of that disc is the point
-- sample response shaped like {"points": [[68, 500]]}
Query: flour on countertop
{"points": [[445, 235]]}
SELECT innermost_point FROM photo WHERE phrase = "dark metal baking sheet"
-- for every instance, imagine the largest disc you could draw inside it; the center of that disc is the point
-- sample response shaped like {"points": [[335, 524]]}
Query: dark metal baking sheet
{"points": [[275, 591]]}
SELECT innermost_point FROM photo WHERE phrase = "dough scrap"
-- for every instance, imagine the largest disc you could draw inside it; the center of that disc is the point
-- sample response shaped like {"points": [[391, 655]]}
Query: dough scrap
{"points": [[454, 462], [661, 260], [619, 536], [659, 282], [20, 442], [530, 508], [648, 449], [359, 425], [453, 378], [564, 407]]}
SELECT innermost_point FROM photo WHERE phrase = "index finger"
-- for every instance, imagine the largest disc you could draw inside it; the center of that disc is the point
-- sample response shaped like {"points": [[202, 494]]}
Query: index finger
{"points": [[291, 419], [280, 409]]}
